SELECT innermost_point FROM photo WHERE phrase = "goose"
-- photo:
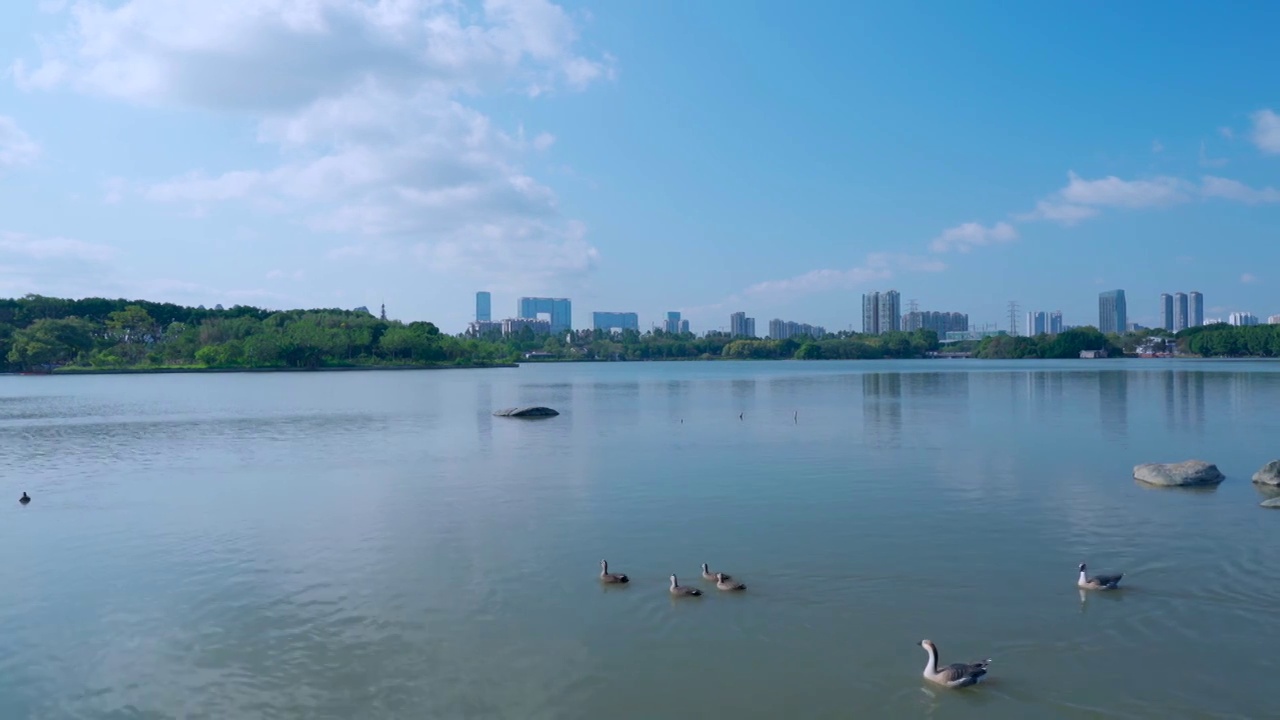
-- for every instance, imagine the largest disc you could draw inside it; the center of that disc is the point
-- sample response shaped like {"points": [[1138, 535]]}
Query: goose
{"points": [[608, 577], [708, 575], [723, 582], [955, 675], [24, 499], [1098, 582], [681, 590]]}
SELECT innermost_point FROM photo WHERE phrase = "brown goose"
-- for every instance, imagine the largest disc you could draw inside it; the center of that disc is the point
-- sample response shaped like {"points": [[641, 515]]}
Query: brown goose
{"points": [[955, 675], [608, 577], [708, 575], [724, 583], [682, 591], [1098, 582]]}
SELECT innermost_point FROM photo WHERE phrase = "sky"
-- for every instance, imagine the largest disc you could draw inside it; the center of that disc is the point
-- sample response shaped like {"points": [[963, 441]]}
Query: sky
{"points": [[709, 157]]}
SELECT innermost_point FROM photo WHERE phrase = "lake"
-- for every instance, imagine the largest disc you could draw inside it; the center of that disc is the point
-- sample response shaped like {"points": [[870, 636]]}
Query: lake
{"points": [[379, 545]]}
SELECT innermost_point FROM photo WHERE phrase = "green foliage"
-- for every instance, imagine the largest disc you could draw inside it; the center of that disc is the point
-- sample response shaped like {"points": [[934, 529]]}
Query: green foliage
{"points": [[1222, 340], [1066, 344]]}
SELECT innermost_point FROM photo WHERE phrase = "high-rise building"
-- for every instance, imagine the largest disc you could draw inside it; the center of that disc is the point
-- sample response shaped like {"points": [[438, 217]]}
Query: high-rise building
{"points": [[615, 321], [742, 326], [560, 311], [483, 307], [1242, 319], [684, 326], [1055, 322], [939, 322], [881, 312], [672, 324], [1166, 311], [1113, 317], [1197, 309], [1037, 323], [1273, 320], [783, 329], [1179, 312]]}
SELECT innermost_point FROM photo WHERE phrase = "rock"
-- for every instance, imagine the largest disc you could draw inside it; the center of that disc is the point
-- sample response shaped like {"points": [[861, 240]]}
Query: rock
{"points": [[1269, 474], [1272, 503], [1181, 474], [534, 411]]}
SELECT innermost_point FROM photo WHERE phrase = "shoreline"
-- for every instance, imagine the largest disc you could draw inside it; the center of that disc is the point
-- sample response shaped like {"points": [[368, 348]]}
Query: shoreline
{"points": [[61, 372]]}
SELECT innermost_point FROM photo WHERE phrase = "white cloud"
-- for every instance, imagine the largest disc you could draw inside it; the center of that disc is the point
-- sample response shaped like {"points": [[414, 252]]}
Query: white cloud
{"points": [[1206, 161], [1234, 190], [1062, 212], [1227, 132], [1157, 146], [364, 102], [965, 237], [1111, 191], [16, 147], [876, 266], [52, 248], [1248, 278], [1266, 131]]}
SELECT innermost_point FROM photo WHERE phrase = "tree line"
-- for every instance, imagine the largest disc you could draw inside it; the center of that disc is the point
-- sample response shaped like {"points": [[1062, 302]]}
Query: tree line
{"points": [[1217, 340]]}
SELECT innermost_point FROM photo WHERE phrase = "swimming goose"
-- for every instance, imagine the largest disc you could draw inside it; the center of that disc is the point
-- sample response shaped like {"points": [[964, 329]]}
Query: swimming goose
{"points": [[681, 590], [955, 675], [1098, 582], [723, 582], [24, 499], [608, 577], [708, 575]]}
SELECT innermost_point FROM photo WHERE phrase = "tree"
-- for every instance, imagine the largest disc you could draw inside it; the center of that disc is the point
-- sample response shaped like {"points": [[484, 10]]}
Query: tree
{"points": [[48, 342]]}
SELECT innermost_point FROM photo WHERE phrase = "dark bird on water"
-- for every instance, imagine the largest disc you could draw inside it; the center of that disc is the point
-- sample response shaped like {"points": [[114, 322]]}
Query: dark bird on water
{"points": [[24, 499], [740, 415]]}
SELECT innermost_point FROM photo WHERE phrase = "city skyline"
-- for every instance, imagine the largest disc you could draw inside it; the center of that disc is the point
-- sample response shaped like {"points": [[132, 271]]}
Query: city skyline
{"points": [[549, 152]]}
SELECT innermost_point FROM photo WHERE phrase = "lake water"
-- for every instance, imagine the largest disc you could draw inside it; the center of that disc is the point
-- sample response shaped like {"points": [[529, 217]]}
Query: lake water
{"points": [[378, 545]]}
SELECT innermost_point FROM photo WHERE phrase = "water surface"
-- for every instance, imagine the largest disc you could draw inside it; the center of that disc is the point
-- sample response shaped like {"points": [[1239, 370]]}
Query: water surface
{"points": [[378, 545]]}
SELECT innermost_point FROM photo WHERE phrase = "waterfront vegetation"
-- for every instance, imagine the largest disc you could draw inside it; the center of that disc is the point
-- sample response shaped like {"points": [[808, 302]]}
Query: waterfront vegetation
{"points": [[40, 333]]}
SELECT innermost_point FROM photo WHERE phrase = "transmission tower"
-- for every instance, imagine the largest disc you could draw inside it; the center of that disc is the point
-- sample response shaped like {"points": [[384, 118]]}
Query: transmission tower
{"points": [[913, 306], [1013, 317]]}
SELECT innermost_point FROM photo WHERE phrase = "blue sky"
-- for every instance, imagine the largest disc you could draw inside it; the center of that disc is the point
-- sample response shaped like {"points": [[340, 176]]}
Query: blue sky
{"points": [[706, 157]]}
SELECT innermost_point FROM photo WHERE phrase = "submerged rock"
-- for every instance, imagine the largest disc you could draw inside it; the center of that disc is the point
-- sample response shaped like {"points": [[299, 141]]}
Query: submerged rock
{"points": [[532, 411], [1269, 474], [1272, 503], [1179, 474]]}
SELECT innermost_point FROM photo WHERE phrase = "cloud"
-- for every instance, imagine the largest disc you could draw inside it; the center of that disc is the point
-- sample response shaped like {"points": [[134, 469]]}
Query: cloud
{"points": [[1206, 161], [52, 248], [1227, 132], [1266, 131], [285, 275], [1058, 211], [16, 147], [365, 105], [964, 237], [876, 266], [1236, 191], [1082, 199], [1248, 278], [1157, 146]]}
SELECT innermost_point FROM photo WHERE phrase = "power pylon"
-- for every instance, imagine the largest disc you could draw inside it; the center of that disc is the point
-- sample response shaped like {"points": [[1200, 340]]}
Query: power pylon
{"points": [[1013, 317]]}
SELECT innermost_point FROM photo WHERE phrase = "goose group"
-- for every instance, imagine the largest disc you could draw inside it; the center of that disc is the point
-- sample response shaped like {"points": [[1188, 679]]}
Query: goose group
{"points": [[954, 675]]}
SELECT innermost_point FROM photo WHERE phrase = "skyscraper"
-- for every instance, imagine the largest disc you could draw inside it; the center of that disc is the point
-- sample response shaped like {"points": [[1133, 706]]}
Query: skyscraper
{"points": [[483, 313], [615, 321], [1197, 309], [1113, 317], [1166, 311], [560, 310], [672, 324], [1055, 322], [871, 313], [1037, 323], [742, 326], [1179, 312], [890, 312]]}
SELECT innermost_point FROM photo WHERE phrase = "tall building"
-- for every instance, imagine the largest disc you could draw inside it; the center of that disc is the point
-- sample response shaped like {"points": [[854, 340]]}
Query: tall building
{"points": [[1166, 311], [1242, 319], [512, 326], [881, 312], [1055, 322], [560, 311], [1037, 323], [672, 323], [939, 322], [1179, 312], [783, 329], [615, 321], [1273, 320], [742, 326], [1197, 309], [483, 308], [1113, 317]]}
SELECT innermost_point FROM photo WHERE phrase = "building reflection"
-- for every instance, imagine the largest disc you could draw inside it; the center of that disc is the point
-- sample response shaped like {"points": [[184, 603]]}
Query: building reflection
{"points": [[882, 408], [1113, 402], [484, 417]]}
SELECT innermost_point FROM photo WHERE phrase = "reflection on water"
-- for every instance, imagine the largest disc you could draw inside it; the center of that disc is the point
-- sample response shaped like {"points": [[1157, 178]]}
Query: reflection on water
{"points": [[352, 545]]}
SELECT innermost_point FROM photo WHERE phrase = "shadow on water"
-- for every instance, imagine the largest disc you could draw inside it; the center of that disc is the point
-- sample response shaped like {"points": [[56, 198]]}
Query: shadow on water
{"points": [[1113, 403], [882, 407]]}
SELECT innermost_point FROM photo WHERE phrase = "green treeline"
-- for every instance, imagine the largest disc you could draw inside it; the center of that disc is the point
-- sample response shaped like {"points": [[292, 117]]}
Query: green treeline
{"points": [[1217, 340], [1222, 340], [1066, 344], [40, 333]]}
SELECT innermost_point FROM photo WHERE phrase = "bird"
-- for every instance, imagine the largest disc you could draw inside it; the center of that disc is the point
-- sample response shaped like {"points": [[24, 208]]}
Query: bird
{"points": [[608, 577], [740, 415], [955, 675], [724, 583], [708, 575], [680, 590], [25, 498], [1098, 582]]}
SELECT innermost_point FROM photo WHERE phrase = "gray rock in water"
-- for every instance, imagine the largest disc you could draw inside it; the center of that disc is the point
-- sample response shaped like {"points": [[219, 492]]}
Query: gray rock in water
{"points": [[1272, 503], [533, 411], [1180, 474], [1269, 474]]}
